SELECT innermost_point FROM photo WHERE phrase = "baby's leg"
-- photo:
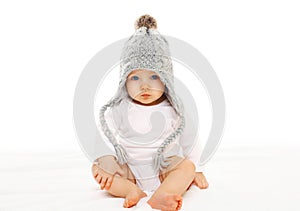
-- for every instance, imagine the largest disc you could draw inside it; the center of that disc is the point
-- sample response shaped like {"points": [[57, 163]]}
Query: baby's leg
{"points": [[125, 187], [175, 181]]}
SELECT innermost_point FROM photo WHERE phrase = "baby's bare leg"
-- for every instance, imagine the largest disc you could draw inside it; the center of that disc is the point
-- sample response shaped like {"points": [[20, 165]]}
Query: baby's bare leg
{"points": [[125, 187], [175, 182]]}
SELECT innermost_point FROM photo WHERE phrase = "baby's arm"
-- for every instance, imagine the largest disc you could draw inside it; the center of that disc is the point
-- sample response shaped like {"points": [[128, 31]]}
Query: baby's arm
{"points": [[192, 151], [105, 165], [199, 180]]}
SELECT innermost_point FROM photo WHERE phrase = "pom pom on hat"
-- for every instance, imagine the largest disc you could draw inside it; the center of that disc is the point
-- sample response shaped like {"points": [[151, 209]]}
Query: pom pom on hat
{"points": [[146, 21]]}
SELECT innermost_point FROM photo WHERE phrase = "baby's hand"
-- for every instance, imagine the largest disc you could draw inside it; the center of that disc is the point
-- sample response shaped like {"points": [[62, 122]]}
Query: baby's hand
{"points": [[104, 170], [200, 180]]}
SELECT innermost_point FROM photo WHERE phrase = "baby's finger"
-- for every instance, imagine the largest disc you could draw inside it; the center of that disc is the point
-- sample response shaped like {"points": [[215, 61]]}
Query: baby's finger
{"points": [[103, 182], [108, 182], [94, 168], [98, 178]]}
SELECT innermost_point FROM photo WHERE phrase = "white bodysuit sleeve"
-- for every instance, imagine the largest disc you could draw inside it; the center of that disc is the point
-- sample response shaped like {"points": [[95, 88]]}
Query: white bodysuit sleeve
{"points": [[195, 155], [190, 143]]}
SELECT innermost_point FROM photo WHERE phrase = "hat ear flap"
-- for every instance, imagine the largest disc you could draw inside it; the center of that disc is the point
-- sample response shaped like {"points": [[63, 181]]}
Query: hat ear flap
{"points": [[121, 153]]}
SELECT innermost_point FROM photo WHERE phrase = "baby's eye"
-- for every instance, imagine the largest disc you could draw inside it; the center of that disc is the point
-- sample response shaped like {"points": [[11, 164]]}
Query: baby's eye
{"points": [[154, 77], [134, 78]]}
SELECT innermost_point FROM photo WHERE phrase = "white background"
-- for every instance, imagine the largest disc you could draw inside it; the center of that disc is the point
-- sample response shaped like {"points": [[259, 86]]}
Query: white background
{"points": [[253, 46]]}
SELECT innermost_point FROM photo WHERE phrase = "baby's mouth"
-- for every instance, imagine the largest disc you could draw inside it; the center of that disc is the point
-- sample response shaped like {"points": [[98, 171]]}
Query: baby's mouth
{"points": [[145, 95]]}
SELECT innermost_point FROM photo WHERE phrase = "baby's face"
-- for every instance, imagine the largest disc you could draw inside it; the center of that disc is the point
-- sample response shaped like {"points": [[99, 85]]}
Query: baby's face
{"points": [[144, 86]]}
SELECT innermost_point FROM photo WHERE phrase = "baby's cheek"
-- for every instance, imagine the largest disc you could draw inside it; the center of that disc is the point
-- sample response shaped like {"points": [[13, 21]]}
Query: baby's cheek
{"points": [[132, 91], [160, 86]]}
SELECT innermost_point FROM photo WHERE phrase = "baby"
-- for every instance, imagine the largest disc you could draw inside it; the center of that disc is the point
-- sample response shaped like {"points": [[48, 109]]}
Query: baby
{"points": [[156, 156]]}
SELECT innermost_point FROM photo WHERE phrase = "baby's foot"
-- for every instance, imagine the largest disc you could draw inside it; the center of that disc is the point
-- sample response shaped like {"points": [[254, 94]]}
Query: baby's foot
{"points": [[133, 197], [164, 201], [200, 180]]}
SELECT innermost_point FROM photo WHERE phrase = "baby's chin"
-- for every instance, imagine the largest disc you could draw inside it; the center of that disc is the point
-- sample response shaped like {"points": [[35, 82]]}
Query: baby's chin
{"points": [[145, 102], [149, 101]]}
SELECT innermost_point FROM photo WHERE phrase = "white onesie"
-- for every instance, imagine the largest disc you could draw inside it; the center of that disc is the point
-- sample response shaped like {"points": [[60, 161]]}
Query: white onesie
{"points": [[142, 129]]}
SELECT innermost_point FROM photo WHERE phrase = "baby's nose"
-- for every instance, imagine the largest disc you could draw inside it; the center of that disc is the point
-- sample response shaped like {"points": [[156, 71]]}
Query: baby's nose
{"points": [[145, 85]]}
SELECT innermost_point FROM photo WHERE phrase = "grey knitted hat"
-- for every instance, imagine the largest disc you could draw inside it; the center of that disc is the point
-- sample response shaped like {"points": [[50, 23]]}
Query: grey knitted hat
{"points": [[146, 49]]}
